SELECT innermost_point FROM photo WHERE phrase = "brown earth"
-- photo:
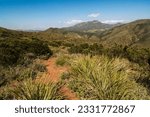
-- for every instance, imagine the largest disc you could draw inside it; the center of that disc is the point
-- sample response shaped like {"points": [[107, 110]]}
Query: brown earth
{"points": [[54, 73]]}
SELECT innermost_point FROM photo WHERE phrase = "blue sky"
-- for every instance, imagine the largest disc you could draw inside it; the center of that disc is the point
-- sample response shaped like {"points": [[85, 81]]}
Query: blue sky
{"points": [[42, 14]]}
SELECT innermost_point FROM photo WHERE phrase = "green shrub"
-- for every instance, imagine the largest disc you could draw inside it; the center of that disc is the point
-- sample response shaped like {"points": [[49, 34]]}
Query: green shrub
{"points": [[55, 43], [134, 54], [8, 56], [65, 75], [20, 72], [12, 50], [75, 49], [115, 51], [68, 44], [138, 55], [84, 45], [85, 48], [62, 60]]}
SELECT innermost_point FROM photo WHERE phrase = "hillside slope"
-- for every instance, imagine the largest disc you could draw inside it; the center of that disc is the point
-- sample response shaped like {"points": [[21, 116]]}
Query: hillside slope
{"points": [[134, 33]]}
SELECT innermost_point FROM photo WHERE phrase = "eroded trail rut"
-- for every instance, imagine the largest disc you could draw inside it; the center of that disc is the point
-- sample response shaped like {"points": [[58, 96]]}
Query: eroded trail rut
{"points": [[54, 73]]}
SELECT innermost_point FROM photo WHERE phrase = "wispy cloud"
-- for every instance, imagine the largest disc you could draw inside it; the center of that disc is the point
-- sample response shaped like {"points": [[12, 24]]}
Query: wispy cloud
{"points": [[72, 22], [113, 21], [93, 15]]}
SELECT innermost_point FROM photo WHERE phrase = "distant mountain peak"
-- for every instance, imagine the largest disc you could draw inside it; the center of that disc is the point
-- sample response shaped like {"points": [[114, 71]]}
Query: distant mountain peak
{"points": [[95, 21], [90, 26]]}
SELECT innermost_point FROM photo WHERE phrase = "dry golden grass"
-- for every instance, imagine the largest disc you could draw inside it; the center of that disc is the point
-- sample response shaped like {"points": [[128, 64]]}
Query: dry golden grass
{"points": [[100, 77], [37, 90]]}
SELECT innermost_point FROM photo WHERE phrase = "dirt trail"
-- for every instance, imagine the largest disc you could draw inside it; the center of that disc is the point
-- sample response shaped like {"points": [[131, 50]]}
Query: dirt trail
{"points": [[54, 73]]}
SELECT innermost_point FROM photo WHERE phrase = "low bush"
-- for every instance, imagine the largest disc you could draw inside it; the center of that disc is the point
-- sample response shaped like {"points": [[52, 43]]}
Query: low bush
{"points": [[138, 55], [62, 60], [65, 75], [55, 43], [12, 50], [86, 48], [20, 72], [134, 54]]}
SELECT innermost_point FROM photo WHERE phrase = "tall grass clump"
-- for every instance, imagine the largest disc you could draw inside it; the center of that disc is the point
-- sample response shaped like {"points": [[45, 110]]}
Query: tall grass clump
{"points": [[100, 77], [35, 90], [5, 93], [62, 60], [21, 72]]}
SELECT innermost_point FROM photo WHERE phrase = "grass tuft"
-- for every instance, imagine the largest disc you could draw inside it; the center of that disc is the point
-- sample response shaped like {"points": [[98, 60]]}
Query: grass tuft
{"points": [[32, 90], [104, 79]]}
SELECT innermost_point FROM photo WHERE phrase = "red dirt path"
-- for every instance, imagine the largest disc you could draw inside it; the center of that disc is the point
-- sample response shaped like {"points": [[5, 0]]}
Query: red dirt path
{"points": [[54, 73]]}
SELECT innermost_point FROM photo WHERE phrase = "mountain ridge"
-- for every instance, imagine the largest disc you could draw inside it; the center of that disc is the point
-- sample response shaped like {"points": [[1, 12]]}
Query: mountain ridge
{"points": [[91, 26], [128, 34], [133, 33]]}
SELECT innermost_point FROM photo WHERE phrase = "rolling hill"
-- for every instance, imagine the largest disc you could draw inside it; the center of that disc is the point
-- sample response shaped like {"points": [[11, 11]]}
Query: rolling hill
{"points": [[134, 33], [62, 34]]}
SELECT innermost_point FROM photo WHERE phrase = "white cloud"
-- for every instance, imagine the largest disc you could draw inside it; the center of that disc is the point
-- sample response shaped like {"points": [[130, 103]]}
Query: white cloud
{"points": [[93, 15], [113, 21], [72, 22]]}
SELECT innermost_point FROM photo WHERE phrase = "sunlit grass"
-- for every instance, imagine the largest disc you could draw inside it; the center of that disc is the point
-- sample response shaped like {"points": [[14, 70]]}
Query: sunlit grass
{"points": [[104, 79], [35, 90]]}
